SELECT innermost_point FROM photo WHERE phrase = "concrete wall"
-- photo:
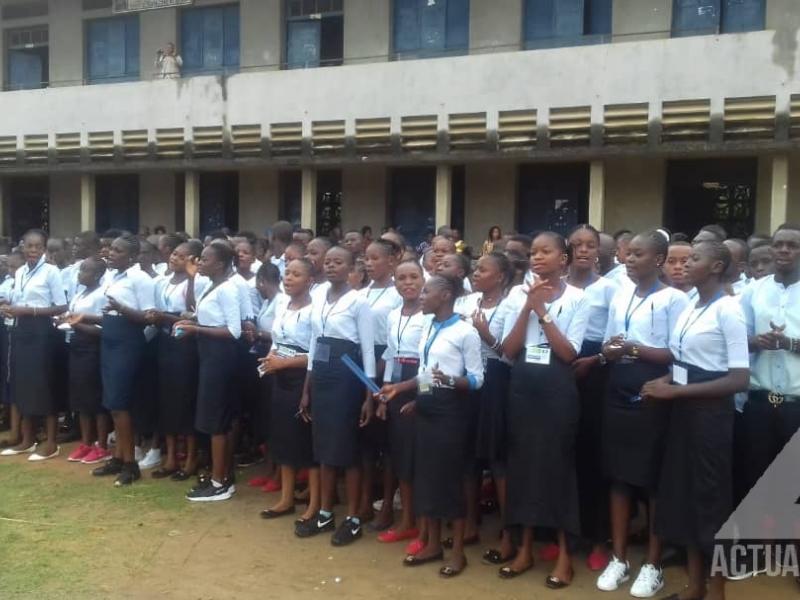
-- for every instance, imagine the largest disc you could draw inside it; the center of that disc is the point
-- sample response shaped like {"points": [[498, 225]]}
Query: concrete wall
{"points": [[364, 197], [258, 199], [493, 30], [261, 33], [157, 199], [66, 42], [65, 204], [367, 30], [634, 193], [490, 199], [782, 14], [641, 20]]}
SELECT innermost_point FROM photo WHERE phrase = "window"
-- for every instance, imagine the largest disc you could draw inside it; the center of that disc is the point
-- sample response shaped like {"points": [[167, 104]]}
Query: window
{"points": [[558, 23], [552, 198], [430, 27], [701, 17], [290, 190], [28, 58], [314, 33], [210, 39], [112, 49], [116, 202]]}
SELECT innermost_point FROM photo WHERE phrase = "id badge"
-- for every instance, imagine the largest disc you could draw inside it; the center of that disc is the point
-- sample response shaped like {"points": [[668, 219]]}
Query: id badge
{"points": [[425, 382], [680, 375], [286, 352], [537, 355], [397, 371], [9, 322], [322, 353]]}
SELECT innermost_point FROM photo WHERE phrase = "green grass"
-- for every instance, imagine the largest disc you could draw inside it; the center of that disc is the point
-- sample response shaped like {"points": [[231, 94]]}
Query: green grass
{"points": [[61, 519]]}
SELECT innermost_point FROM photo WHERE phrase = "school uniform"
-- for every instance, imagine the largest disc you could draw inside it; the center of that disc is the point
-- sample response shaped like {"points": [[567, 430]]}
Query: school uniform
{"points": [[247, 382], [32, 340], [289, 436], [442, 449], [401, 360], [771, 415], [6, 288], [218, 402], [262, 387], [122, 347], [177, 362], [634, 432], [85, 383], [344, 326], [592, 485], [543, 414], [695, 496]]}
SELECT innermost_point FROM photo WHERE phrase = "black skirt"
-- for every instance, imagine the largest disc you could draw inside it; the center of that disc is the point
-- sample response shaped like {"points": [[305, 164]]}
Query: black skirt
{"points": [[336, 399], [144, 412], [218, 404], [593, 489], [543, 414], [61, 355], [177, 383], [121, 357], [85, 383], [490, 438], [5, 393], [440, 450], [401, 427], [695, 495], [634, 433], [375, 436], [32, 366], [289, 435]]}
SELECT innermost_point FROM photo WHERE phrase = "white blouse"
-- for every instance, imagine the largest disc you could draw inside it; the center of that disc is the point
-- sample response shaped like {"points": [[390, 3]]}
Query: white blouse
{"points": [[132, 288], [651, 320], [712, 337], [266, 314], [171, 298], [495, 316], [454, 349], [403, 333], [7, 288], [569, 312], [245, 291], [599, 295], [348, 318], [381, 301], [220, 307], [291, 327], [39, 287], [89, 304]]}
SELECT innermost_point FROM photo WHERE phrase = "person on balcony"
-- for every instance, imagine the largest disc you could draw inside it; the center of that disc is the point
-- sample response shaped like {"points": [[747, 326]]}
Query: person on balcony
{"points": [[168, 62]]}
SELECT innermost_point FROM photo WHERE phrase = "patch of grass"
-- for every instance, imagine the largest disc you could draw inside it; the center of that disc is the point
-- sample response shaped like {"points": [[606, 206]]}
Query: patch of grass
{"points": [[52, 523]]}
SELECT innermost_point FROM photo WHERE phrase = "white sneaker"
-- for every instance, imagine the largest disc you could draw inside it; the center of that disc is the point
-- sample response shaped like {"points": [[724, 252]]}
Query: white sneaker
{"points": [[151, 459], [615, 574], [111, 439], [138, 453], [648, 583], [397, 503]]}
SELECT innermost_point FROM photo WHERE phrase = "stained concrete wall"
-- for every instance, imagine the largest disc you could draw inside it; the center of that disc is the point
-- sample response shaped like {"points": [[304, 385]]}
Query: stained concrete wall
{"points": [[367, 30], [490, 199], [157, 199], [258, 199], [493, 30], [634, 193], [65, 204], [364, 197]]}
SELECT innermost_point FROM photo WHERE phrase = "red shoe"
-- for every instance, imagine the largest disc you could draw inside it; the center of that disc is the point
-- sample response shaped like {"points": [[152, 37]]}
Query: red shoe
{"points": [[414, 547], [271, 486], [79, 453], [258, 481], [392, 535], [97, 455], [549, 553], [597, 561]]}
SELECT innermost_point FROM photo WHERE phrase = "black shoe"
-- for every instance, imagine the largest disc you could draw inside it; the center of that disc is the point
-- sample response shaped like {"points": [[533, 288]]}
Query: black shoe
{"points": [[130, 473], [349, 531], [312, 527], [203, 481], [210, 493], [111, 467]]}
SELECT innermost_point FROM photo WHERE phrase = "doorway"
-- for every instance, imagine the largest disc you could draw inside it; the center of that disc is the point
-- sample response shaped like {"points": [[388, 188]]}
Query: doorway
{"points": [[552, 197], [117, 203], [412, 202], [329, 201], [29, 204], [219, 202]]}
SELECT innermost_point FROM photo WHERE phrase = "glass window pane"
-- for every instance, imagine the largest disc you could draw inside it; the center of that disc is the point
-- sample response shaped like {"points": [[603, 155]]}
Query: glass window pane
{"points": [[212, 38], [743, 15], [406, 26], [303, 44], [231, 24]]}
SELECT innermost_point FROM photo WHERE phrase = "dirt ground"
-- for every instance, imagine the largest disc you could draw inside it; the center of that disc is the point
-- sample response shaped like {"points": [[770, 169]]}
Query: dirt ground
{"points": [[64, 534]]}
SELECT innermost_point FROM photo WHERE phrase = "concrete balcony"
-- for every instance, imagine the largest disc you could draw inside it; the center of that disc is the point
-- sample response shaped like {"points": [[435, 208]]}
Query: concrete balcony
{"points": [[728, 93]]}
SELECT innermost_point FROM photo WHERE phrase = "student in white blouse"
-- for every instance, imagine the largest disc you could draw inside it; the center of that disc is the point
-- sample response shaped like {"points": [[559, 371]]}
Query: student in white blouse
{"points": [[711, 364], [217, 329], [130, 294], [285, 367], [38, 295], [315, 254], [15, 261], [543, 334], [336, 400], [85, 385]]}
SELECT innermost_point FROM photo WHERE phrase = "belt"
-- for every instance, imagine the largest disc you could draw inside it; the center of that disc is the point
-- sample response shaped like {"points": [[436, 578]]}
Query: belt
{"points": [[774, 398], [407, 360]]}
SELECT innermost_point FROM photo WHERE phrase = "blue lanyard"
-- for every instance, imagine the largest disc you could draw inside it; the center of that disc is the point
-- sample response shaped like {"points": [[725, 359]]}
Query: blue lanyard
{"points": [[629, 313], [429, 342], [689, 324]]}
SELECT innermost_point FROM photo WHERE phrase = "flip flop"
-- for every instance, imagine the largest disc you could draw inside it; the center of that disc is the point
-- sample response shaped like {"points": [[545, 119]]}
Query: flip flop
{"points": [[412, 561]]}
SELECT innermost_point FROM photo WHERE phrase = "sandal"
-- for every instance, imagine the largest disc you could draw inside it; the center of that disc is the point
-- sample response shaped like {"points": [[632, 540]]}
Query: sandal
{"points": [[495, 557], [413, 561], [449, 572], [181, 475], [511, 573], [162, 473], [274, 514], [474, 540], [554, 583]]}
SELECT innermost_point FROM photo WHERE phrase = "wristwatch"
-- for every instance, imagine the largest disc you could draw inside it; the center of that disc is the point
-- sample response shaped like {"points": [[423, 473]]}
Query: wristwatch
{"points": [[602, 359], [546, 319], [451, 382]]}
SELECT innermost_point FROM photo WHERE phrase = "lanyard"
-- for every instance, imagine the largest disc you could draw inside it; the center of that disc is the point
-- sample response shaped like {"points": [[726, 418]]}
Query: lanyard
{"points": [[494, 312], [374, 302], [167, 294], [400, 331], [324, 317], [629, 313], [429, 340], [689, 324], [26, 277]]}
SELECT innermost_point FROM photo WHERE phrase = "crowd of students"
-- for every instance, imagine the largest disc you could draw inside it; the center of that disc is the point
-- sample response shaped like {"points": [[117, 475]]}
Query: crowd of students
{"points": [[585, 375]]}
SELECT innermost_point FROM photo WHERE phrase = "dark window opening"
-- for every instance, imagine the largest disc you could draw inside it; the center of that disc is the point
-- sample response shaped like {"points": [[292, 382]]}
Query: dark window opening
{"points": [[28, 57], [412, 202], [117, 203], [708, 17], [423, 28], [552, 197], [210, 39], [290, 188], [219, 202], [29, 203], [458, 197], [329, 201], [314, 33], [180, 202], [558, 23]]}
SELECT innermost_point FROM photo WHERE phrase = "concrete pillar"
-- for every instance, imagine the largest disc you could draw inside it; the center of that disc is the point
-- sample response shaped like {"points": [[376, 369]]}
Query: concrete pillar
{"points": [[88, 202], [192, 206], [444, 195], [597, 194], [308, 199], [779, 205], [66, 43]]}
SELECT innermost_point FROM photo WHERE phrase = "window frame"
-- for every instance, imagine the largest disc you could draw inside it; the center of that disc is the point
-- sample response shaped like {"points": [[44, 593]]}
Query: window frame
{"points": [[188, 70], [567, 41], [420, 52], [128, 76], [319, 18], [719, 28]]}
